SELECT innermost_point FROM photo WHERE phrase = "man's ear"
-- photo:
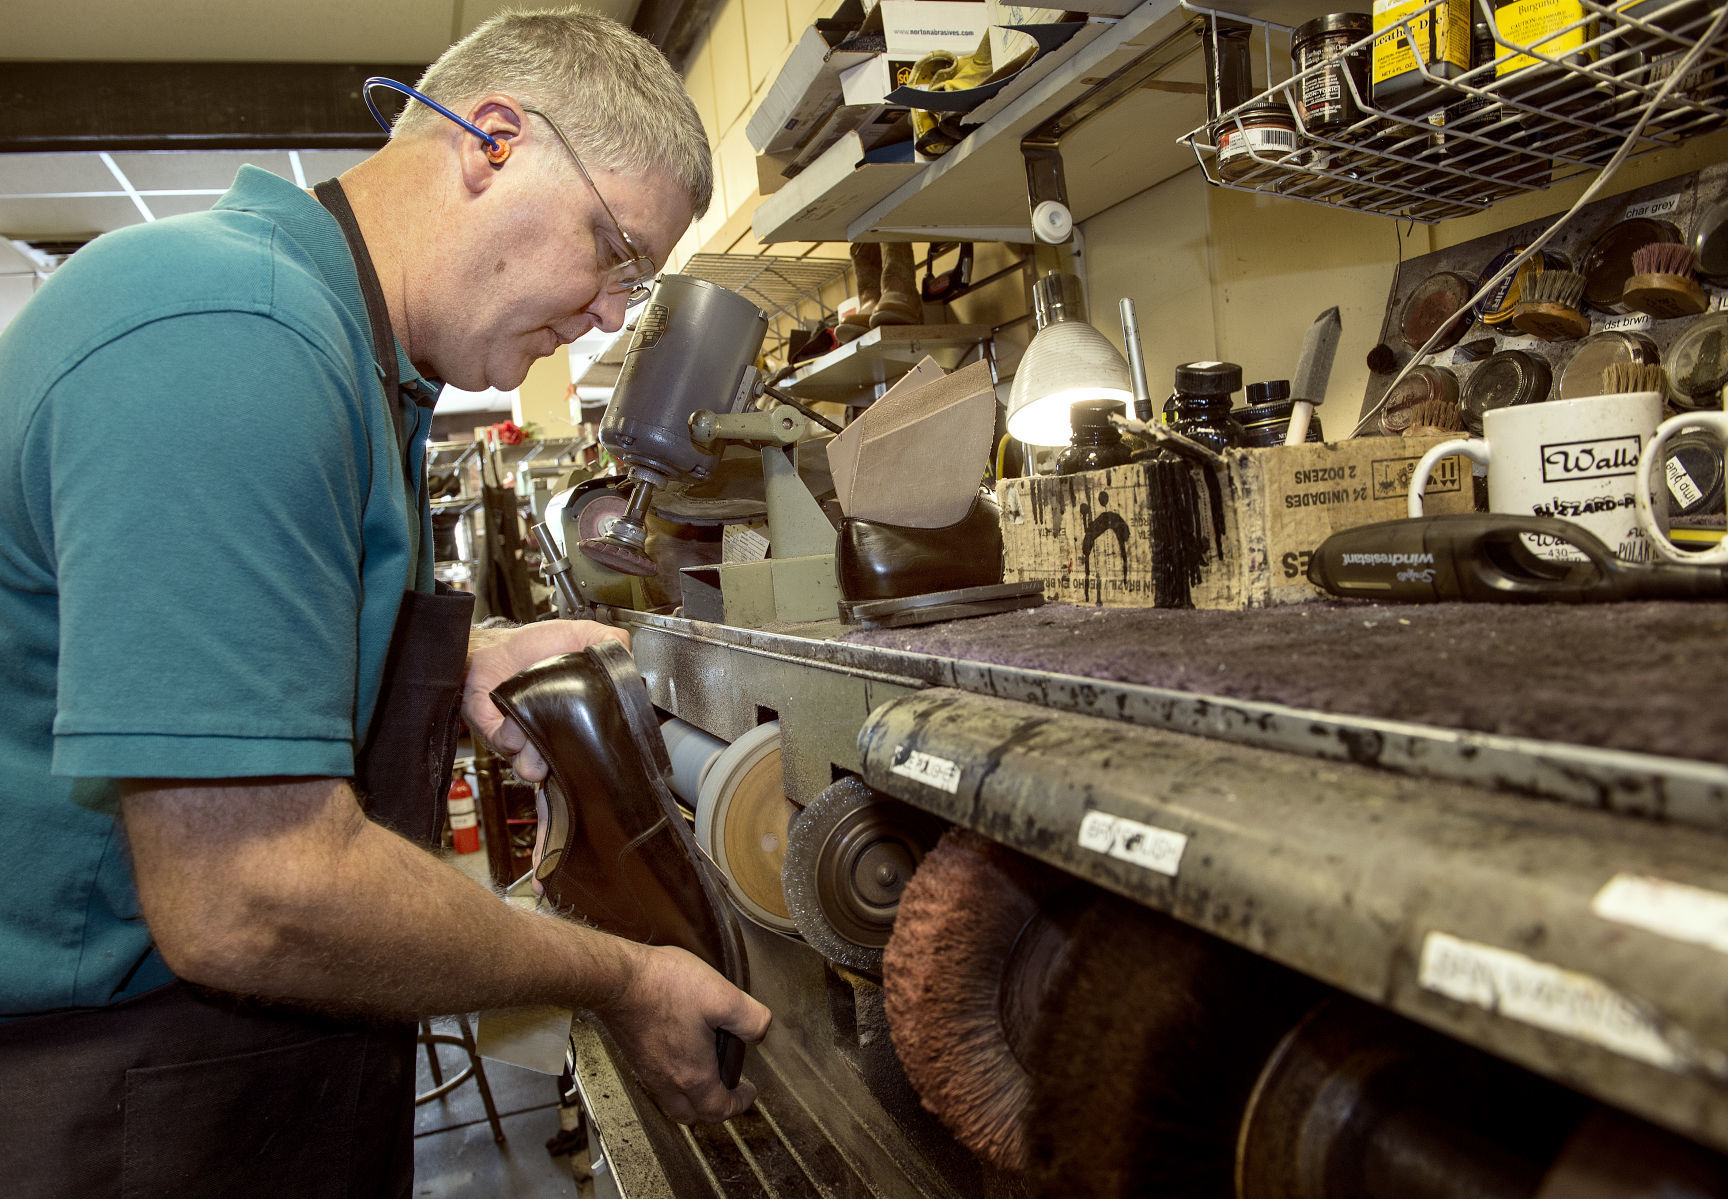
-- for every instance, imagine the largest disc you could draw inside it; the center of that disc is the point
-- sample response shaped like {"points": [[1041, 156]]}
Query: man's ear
{"points": [[503, 119]]}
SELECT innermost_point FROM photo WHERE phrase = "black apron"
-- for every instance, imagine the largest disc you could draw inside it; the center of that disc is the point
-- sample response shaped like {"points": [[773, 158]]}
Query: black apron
{"points": [[187, 1094]]}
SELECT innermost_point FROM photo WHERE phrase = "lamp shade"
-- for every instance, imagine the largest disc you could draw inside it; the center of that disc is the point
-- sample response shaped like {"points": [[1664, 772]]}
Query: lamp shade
{"points": [[1066, 362]]}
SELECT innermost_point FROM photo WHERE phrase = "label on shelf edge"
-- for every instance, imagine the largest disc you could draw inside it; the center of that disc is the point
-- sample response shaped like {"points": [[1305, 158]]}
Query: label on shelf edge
{"points": [[1544, 996], [1127, 840], [930, 770], [1674, 910]]}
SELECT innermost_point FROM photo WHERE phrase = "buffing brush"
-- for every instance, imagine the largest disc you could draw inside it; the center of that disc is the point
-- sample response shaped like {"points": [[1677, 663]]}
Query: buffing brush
{"points": [[1662, 284], [1153, 1035], [962, 976], [1549, 306], [1434, 416], [1621, 377]]}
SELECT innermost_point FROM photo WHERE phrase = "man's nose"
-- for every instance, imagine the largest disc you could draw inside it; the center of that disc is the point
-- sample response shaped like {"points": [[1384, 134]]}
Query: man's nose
{"points": [[608, 309]]}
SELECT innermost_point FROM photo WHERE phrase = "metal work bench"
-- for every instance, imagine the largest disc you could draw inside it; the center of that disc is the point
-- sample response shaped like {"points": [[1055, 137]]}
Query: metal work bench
{"points": [[1446, 874]]}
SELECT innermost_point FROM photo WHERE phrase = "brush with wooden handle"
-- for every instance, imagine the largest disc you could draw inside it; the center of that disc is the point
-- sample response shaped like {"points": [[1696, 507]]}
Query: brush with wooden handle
{"points": [[1662, 285]]}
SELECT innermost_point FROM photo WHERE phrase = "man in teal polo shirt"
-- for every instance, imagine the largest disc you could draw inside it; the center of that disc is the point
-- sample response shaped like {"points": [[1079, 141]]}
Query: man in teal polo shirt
{"points": [[213, 528]]}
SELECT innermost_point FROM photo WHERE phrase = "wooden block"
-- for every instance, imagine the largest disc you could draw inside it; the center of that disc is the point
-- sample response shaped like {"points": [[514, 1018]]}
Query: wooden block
{"points": [[1089, 539]]}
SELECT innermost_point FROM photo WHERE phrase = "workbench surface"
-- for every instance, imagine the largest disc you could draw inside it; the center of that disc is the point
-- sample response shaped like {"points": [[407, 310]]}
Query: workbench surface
{"points": [[1645, 677]]}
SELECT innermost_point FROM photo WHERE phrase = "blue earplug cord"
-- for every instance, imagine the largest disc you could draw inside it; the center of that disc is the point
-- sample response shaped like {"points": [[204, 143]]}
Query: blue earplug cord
{"points": [[492, 143]]}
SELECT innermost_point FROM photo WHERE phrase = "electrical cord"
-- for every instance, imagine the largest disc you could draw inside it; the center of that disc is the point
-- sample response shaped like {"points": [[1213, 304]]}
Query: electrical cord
{"points": [[1681, 70]]}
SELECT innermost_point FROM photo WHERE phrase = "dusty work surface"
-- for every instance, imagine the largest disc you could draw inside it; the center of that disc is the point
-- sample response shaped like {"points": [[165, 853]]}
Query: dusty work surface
{"points": [[1649, 677]]}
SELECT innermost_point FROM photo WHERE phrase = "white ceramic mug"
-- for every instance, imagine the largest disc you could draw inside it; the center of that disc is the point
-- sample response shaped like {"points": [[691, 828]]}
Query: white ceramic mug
{"points": [[1572, 459], [1652, 518]]}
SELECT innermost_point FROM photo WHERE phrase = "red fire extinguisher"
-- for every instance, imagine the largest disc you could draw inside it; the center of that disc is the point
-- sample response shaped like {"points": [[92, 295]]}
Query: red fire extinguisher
{"points": [[464, 825]]}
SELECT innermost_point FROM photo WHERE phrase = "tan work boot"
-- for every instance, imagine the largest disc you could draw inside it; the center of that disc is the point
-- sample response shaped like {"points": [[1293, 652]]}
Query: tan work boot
{"points": [[867, 266], [899, 303]]}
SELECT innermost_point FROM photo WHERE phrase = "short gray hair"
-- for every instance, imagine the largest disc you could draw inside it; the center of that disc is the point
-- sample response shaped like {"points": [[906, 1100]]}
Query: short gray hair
{"points": [[610, 90]]}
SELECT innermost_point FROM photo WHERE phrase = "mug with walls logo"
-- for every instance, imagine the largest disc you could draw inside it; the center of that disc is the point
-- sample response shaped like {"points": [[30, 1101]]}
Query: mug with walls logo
{"points": [[1653, 517], [1572, 459]]}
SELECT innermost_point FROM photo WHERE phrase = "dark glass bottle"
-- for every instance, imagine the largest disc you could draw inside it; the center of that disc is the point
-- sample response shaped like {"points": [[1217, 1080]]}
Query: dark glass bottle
{"points": [[1202, 403], [1096, 443]]}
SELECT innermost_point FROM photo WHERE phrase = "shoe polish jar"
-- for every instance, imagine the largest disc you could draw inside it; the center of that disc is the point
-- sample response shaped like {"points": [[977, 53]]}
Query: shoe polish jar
{"points": [[1266, 419], [1258, 136], [1410, 36], [1096, 442], [1335, 48]]}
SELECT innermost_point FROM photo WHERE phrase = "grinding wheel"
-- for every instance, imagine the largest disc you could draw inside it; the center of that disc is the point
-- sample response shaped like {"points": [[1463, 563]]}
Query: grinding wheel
{"points": [[592, 509], [849, 855], [742, 815]]}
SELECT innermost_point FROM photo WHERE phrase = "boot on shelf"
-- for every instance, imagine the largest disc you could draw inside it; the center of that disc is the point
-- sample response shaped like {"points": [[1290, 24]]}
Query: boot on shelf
{"points": [[867, 267], [899, 303]]}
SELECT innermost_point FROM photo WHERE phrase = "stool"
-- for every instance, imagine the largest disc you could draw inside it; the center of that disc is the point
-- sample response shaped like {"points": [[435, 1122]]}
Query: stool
{"points": [[443, 1086]]}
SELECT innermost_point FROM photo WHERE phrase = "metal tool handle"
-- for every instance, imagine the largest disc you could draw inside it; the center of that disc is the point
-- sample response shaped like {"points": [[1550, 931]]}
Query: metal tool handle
{"points": [[557, 568]]}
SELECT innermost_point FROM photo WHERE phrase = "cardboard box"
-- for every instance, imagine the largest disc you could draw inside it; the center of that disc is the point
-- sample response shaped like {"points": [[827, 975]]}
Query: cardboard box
{"points": [[804, 92], [832, 192], [1089, 537], [911, 29]]}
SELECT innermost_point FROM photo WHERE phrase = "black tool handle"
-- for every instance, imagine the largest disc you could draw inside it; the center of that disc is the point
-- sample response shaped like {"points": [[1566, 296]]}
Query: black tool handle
{"points": [[730, 1051], [1676, 580]]}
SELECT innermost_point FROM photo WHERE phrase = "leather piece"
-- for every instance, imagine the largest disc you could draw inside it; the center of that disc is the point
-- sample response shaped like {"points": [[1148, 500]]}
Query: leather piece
{"points": [[619, 855], [878, 561]]}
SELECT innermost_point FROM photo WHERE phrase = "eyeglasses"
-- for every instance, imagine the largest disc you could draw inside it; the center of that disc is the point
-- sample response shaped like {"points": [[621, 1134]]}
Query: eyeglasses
{"points": [[633, 277]]}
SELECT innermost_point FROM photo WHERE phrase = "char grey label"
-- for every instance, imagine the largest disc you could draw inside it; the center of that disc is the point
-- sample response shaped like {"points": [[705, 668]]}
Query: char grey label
{"points": [[1601, 458]]}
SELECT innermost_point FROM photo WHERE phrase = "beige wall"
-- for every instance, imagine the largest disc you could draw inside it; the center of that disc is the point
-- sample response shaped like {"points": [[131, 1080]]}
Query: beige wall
{"points": [[543, 398]]}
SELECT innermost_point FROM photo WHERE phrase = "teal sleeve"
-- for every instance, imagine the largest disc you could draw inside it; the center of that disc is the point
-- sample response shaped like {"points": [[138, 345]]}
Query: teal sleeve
{"points": [[208, 478]]}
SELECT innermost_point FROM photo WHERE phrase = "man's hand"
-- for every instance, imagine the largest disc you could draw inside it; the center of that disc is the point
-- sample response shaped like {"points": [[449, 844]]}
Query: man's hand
{"points": [[496, 654], [665, 1020]]}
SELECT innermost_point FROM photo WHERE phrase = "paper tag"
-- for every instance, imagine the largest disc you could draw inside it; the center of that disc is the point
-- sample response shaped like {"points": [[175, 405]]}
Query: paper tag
{"points": [[1631, 321], [1661, 206], [1672, 910], [741, 543], [1547, 997], [1681, 485], [930, 770], [1153, 848]]}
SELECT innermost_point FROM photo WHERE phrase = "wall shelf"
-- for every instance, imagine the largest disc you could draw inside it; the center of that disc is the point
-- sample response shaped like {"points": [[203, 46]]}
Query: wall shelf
{"points": [[1493, 132], [853, 371], [977, 191]]}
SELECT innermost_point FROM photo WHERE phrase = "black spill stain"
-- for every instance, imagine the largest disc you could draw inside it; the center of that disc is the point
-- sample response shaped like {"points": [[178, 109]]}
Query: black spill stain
{"points": [[1096, 526]]}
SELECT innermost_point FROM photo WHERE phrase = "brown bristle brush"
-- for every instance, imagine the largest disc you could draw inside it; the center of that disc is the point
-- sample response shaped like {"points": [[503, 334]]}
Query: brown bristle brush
{"points": [[1662, 285], [1153, 1036], [1434, 416], [1549, 307], [974, 940], [1622, 377]]}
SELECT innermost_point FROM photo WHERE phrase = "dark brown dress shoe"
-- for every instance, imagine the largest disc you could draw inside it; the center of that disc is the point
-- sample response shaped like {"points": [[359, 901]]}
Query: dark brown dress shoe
{"points": [[878, 561], [619, 855]]}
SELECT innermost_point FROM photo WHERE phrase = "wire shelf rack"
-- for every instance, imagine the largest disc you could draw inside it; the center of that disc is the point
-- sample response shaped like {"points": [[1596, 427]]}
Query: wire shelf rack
{"points": [[773, 283], [1538, 111]]}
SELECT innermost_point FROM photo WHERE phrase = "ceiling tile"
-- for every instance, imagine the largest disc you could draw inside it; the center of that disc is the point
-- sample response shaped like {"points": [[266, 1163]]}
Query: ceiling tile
{"points": [[37, 220], [37, 174], [180, 170], [327, 164]]}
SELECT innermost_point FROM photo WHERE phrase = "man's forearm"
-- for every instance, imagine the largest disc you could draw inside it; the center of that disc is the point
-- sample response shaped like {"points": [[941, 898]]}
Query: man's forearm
{"points": [[287, 891]]}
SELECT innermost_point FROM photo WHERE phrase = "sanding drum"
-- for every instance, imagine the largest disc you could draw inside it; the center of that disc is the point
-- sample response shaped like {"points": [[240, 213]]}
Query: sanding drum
{"points": [[742, 813]]}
